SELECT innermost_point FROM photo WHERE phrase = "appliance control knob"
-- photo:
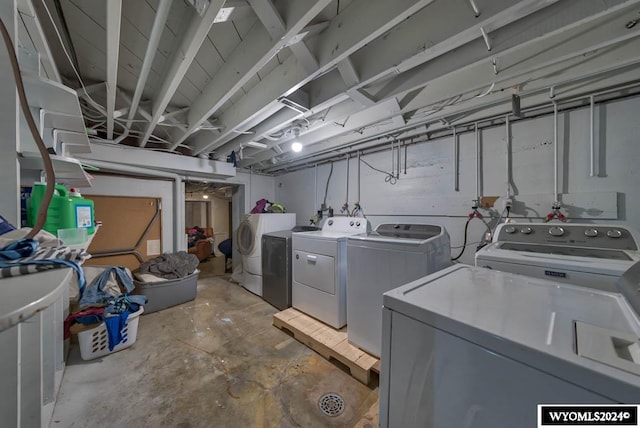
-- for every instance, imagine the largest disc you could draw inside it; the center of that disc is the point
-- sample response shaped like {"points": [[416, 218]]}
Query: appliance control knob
{"points": [[591, 233], [330, 222], [351, 223], [510, 229], [357, 223], [526, 230], [556, 231], [614, 233]]}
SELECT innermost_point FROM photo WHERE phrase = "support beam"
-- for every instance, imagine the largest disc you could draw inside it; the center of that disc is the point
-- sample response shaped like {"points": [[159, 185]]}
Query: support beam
{"points": [[253, 53], [114, 16], [434, 31], [233, 10], [360, 23], [570, 76], [498, 104], [272, 21], [269, 16], [348, 72], [367, 65], [33, 26], [361, 97], [356, 125], [507, 39], [196, 33], [152, 46], [597, 46], [582, 37], [304, 55]]}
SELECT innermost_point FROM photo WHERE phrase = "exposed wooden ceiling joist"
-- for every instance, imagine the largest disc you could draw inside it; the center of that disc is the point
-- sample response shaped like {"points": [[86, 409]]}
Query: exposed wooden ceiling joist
{"points": [[192, 40], [360, 23]]}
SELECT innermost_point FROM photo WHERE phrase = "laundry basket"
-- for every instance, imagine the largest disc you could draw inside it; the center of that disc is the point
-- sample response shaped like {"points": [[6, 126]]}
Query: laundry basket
{"points": [[94, 343]]}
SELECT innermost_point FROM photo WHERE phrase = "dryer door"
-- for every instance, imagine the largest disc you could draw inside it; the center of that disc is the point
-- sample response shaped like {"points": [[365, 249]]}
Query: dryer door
{"points": [[246, 238], [315, 271]]}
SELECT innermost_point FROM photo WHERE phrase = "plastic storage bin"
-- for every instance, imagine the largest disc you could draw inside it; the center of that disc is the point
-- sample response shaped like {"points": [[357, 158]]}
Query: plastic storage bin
{"points": [[94, 342], [164, 294]]}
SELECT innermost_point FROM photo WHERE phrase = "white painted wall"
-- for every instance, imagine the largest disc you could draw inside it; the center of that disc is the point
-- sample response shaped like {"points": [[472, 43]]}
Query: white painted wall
{"points": [[426, 193]]}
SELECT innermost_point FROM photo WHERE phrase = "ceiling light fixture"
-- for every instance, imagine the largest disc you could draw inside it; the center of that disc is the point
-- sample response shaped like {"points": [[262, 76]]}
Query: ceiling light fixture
{"points": [[205, 196], [257, 144], [296, 147]]}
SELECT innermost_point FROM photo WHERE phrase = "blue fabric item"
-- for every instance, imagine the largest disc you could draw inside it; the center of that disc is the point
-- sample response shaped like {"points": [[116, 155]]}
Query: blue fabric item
{"points": [[114, 325], [123, 303], [5, 226], [62, 263], [95, 291], [18, 249], [89, 319]]}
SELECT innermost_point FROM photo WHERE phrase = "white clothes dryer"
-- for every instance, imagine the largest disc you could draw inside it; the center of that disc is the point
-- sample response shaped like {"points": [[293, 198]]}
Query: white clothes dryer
{"points": [[382, 260], [249, 239], [320, 269], [473, 347], [589, 255]]}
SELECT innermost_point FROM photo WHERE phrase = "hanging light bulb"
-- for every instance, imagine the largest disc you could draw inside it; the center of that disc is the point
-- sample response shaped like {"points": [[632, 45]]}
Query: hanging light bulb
{"points": [[296, 146]]}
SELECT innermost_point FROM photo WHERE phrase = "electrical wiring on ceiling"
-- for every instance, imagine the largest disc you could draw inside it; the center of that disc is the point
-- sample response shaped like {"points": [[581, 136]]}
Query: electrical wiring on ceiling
{"points": [[87, 101], [33, 128], [75, 71]]}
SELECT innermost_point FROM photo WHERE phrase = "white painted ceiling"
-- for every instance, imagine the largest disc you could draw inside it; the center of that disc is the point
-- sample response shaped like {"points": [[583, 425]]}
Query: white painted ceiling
{"points": [[338, 76]]}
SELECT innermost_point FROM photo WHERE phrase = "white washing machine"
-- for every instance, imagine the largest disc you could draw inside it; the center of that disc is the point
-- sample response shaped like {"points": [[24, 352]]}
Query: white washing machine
{"points": [[320, 269], [590, 255], [473, 347], [249, 244], [382, 260]]}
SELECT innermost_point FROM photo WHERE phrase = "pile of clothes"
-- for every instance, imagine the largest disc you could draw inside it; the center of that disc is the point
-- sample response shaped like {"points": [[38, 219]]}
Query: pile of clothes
{"points": [[194, 235], [167, 266], [264, 206], [22, 256], [106, 299]]}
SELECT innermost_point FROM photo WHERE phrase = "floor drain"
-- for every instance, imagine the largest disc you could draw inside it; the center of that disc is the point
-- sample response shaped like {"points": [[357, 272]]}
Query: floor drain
{"points": [[331, 404]]}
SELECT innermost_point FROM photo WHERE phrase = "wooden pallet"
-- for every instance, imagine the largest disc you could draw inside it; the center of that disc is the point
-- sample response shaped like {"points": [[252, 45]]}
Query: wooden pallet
{"points": [[332, 344]]}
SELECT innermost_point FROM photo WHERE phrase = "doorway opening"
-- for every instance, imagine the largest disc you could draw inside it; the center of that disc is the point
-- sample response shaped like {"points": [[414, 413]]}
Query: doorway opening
{"points": [[209, 205]]}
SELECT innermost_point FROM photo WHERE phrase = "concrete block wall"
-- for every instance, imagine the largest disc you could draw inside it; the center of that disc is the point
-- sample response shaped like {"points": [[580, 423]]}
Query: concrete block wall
{"points": [[425, 194]]}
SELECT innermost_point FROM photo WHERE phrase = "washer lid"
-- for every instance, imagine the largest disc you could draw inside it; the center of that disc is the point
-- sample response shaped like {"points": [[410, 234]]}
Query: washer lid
{"points": [[526, 319], [583, 260], [629, 286], [407, 231], [406, 234], [246, 238], [596, 253]]}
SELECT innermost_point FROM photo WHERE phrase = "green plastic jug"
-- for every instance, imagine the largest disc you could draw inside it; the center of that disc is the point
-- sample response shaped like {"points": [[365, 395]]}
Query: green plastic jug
{"points": [[65, 211]]}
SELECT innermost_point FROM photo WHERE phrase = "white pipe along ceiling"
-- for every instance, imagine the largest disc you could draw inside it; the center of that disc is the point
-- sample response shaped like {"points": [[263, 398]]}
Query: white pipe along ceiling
{"points": [[255, 76]]}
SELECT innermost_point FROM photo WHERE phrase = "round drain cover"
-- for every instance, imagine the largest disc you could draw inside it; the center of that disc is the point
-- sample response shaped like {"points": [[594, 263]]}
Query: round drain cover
{"points": [[331, 404]]}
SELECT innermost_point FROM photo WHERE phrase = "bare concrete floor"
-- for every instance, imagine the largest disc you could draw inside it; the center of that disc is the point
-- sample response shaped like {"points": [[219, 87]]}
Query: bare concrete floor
{"points": [[213, 362]]}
